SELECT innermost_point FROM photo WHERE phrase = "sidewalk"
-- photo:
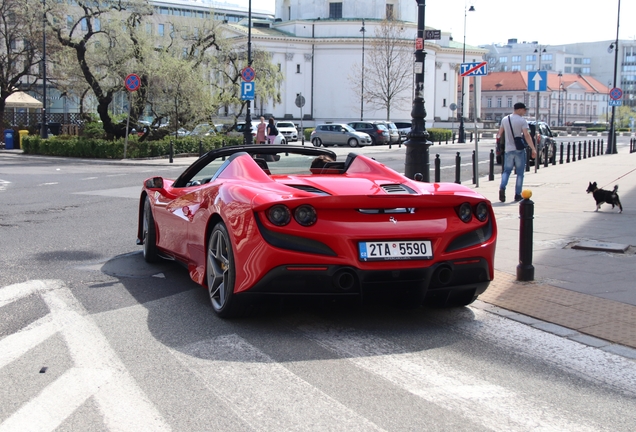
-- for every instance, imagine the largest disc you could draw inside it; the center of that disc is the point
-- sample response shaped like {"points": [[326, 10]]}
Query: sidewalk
{"points": [[592, 292], [585, 295]]}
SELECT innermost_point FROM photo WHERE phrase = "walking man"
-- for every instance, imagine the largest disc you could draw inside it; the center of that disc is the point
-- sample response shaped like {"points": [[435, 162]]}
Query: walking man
{"points": [[514, 125]]}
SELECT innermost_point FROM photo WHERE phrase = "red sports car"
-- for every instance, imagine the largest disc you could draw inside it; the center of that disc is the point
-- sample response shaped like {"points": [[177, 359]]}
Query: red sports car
{"points": [[261, 220]]}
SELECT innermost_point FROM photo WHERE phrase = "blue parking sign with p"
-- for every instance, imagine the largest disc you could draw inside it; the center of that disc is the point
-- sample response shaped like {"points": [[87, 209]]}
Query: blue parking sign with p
{"points": [[247, 90]]}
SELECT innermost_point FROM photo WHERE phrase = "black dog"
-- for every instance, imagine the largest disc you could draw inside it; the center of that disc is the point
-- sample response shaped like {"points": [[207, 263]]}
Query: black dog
{"points": [[604, 196]]}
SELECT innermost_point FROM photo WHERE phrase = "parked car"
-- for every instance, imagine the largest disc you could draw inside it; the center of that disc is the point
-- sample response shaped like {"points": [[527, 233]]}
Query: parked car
{"points": [[378, 131], [544, 138], [404, 128], [258, 221], [338, 134], [239, 131], [181, 132], [288, 129], [394, 133], [203, 130]]}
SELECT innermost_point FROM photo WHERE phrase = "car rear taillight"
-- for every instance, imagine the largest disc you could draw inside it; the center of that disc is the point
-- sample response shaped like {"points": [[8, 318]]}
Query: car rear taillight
{"points": [[305, 215], [279, 215], [481, 212], [465, 212]]}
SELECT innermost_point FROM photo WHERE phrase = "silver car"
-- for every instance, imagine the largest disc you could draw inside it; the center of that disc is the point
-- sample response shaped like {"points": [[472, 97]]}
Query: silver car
{"points": [[338, 134]]}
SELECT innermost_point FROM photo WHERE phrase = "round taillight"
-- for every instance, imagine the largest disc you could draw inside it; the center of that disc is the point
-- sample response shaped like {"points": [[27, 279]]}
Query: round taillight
{"points": [[305, 215], [481, 212], [279, 215], [465, 212]]}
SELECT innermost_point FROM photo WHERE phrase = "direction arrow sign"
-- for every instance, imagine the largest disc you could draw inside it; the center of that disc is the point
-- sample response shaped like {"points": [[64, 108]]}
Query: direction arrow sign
{"points": [[474, 69], [537, 81]]}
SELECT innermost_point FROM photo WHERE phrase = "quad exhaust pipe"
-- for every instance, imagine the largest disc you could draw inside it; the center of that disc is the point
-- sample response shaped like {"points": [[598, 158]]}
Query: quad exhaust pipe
{"points": [[344, 280]]}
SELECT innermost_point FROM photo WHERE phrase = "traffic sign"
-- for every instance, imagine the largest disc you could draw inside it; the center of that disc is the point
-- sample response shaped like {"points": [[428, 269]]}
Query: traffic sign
{"points": [[300, 101], [419, 44], [247, 91], [248, 74], [613, 102], [616, 93], [132, 82], [474, 69], [432, 34], [537, 81]]}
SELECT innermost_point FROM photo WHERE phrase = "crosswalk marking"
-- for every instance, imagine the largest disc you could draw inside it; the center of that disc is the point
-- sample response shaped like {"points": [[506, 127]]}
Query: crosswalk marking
{"points": [[493, 406], [98, 371], [232, 369]]}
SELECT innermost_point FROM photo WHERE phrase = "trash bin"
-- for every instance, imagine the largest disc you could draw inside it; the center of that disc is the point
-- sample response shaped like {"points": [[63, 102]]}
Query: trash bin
{"points": [[55, 127], [8, 138], [22, 133]]}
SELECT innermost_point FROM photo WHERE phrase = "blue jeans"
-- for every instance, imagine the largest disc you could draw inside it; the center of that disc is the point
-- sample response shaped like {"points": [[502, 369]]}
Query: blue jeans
{"points": [[516, 159]]}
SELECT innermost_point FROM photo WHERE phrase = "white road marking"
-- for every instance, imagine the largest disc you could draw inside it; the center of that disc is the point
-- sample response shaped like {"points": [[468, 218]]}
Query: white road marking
{"points": [[48, 184], [232, 369], [15, 345], [4, 184], [491, 405], [125, 192], [90, 178], [98, 371]]}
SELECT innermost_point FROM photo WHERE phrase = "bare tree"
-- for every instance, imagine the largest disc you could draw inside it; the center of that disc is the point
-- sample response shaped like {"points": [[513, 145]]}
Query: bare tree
{"points": [[388, 76], [20, 50]]}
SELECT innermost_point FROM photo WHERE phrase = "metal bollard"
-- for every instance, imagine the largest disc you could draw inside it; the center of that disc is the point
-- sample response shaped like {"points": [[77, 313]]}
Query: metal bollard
{"points": [[525, 269], [584, 149], [546, 161], [491, 166], [438, 170], [458, 162], [593, 148], [602, 146], [568, 159], [561, 154], [171, 152], [554, 153], [589, 148], [200, 148], [474, 166], [579, 150]]}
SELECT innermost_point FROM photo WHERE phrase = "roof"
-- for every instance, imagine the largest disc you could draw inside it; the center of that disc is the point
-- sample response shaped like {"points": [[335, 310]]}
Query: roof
{"points": [[22, 100], [518, 81]]}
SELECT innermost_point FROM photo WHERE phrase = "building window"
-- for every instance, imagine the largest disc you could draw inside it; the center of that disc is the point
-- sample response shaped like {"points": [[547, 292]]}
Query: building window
{"points": [[489, 102], [509, 102], [578, 61], [443, 102], [503, 59], [498, 102], [568, 60], [515, 68], [516, 59], [444, 76], [546, 57], [568, 69], [577, 70], [547, 66], [389, 12], [586, 70], [529, 67], [531, 58], [504, 68], [297, 68], [587, 61], [160, 29], [335, 10]]}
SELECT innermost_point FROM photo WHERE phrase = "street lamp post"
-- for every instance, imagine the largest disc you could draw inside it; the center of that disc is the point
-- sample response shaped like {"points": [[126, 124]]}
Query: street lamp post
{"points": [[44, 133], [611, 141], [462, 132], [416, 164], [540, 50], [248, 115], [559, 110], [363, 30]]}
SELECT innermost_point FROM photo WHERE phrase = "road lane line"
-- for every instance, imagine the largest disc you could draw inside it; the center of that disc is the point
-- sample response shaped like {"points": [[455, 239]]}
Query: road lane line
{"points": [[57, 401], [17, 344], [493, 406], [262, 392]]}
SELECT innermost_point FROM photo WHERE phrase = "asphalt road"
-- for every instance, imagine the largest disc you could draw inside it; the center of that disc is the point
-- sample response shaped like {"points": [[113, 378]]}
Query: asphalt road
{"points": [[93, 338]]}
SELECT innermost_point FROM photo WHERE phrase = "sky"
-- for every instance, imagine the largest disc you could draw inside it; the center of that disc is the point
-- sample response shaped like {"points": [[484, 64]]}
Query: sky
{"points": [[548, 22]]}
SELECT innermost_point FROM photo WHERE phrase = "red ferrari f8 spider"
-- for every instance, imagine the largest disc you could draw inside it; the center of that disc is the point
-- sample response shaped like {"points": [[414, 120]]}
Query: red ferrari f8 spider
{"points": [[261, 220]]}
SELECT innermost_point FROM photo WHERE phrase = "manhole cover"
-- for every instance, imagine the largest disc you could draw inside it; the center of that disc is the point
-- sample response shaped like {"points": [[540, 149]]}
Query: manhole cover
{"points": [[601, 246]]}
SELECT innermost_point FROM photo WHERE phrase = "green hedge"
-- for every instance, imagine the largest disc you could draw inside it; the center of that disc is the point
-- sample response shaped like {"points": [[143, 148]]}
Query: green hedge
{"points": [[71, 146], [437, 135]]}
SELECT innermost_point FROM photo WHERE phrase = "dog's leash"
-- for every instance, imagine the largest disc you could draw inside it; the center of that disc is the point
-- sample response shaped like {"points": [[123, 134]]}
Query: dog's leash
{"points": [[629, 172]]}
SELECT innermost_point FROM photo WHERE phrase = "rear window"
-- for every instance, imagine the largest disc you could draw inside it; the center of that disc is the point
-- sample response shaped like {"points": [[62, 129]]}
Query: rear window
{"points": [[381, 127]]}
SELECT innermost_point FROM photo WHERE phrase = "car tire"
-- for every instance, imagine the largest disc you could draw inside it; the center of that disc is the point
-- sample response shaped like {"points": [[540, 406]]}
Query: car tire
{"points": [[221, 274], [373, 142], [316, 142], [352, 142], [149, 234]]}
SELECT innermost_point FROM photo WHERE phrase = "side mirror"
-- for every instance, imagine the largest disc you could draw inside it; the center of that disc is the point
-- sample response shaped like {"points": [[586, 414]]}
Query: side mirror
{"points": [[154, 183]]}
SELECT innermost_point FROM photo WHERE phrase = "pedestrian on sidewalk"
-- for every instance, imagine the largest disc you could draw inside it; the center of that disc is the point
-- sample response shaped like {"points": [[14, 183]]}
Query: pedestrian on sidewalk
{"points": [[515, 126], [272, 131], [261, 131]]}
